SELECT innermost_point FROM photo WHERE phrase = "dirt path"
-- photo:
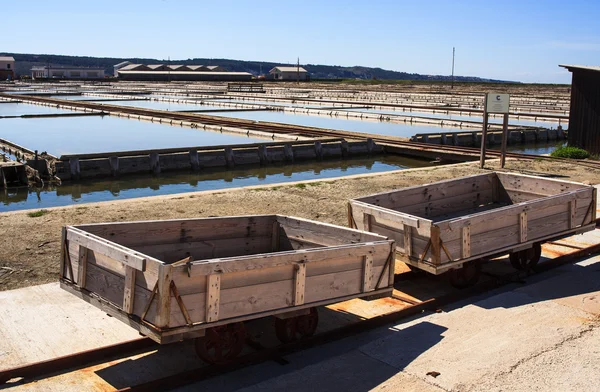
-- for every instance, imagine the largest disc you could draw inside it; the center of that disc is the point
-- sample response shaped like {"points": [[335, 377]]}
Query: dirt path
{"points": [[30, 249]]}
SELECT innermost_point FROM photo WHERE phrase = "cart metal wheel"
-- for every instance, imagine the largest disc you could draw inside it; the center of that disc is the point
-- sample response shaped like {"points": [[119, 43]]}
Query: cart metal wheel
{"points": [[221, 344], [466, 276], [294, 328], [526, 259]]}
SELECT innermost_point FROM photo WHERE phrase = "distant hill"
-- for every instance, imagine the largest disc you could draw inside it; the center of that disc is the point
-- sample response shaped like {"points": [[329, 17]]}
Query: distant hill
{"points": [[24, 62]]}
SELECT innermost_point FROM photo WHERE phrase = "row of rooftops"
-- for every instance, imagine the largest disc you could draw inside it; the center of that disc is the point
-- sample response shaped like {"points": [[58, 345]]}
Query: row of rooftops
{"points": [[127, 66]]}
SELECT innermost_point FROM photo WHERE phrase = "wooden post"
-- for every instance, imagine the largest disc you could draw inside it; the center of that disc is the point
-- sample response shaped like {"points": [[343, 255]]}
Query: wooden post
{"points": [[435, 245], [407, 241], [163, 305], [484, 133], [368, 276], [129, 290], [81, 271], [504, 140]]}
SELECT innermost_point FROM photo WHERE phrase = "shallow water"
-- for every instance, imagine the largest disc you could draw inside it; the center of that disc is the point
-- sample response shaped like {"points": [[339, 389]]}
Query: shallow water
{"points": [[523, 121], [18, 109], [355, 125], [160, 105], [181, 182], [77, 135]]}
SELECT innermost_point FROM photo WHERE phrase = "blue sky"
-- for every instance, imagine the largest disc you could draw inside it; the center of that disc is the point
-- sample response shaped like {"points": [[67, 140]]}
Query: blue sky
{"points": [[505, 39]]}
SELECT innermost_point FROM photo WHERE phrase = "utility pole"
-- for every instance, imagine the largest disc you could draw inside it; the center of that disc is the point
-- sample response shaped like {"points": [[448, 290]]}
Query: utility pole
{"points": [[453, 51]]}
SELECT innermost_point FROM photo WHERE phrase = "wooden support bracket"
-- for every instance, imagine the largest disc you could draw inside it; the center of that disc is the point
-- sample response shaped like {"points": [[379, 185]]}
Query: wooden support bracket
{"points": [[129, 289], [213, 296], [299, 283], [368, 273], [523, 226], [81, 272], [182, 307], [466, 242]]}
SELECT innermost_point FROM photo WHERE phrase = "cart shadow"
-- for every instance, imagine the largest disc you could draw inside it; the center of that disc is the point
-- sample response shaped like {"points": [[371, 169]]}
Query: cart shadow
{"points": [[339, 356]]}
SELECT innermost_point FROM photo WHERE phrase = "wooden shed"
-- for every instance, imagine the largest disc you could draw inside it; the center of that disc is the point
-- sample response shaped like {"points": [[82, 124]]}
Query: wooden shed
{"points": [[584, 118]]}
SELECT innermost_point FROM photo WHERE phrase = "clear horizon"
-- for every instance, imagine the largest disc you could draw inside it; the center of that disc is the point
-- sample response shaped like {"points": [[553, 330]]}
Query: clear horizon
{"points": [[514, 40]]}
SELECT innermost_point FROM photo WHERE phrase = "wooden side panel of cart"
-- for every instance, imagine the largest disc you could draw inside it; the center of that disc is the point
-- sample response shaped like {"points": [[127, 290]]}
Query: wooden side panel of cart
{"points": [[541, 209], [182, 276]]}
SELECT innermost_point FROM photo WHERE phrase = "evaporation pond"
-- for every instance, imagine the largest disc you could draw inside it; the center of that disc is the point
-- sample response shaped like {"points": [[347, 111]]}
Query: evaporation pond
{"points": [[78, 135], [159, 105], [355, 125], [19, 109]]}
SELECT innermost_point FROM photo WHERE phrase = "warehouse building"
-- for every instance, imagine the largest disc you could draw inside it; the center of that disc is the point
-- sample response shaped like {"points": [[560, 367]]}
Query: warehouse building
{"points": [[142, 75], [288, 73], [47, 72], [179, 72], [584, 116], [7, 68]]}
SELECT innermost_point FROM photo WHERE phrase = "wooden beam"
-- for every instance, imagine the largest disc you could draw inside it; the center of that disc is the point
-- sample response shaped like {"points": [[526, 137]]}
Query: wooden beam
{"points": [[368, 273], [466, 242], [213, 290], [106, 248], [523, 226], [572, 213], [435, 245], [129, 290], [275, 237], [81, 271], [407, 240], [163, 305], [299, 283]]}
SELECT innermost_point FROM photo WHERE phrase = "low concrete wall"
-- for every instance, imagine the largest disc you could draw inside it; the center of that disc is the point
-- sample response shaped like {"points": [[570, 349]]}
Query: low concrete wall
{"points": [[473, 139], [156, 161]]}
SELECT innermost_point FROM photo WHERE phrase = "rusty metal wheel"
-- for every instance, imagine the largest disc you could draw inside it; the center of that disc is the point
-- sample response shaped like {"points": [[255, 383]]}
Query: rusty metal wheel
{"points": [[466, 276], [526, 259], [295, 328], [221, 344]]}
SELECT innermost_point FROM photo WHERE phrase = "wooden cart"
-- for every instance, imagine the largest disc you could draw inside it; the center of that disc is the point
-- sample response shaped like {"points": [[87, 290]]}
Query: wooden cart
{"points": [[451, 225], [201, 278]]}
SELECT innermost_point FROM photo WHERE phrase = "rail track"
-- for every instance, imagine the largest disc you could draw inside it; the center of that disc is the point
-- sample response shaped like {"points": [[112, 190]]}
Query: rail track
{"points": [[50, 368]]}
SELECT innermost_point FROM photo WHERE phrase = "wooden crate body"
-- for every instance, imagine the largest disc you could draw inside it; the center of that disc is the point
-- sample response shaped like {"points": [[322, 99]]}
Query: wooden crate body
{"points": [[440, 226], [172, 279]]}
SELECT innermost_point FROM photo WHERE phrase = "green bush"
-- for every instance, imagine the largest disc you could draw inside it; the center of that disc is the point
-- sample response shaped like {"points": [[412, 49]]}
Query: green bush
{"points": [[37, 214], [570, 152]]}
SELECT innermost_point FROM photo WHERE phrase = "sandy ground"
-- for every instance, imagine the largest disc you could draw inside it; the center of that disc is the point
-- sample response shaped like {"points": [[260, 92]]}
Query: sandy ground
{"points": [[30, 249]]}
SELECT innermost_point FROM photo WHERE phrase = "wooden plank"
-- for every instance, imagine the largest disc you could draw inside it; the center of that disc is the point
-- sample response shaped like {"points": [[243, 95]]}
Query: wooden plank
{"points": [[163, 303], [209, 249], [260, 261], [450, 204], [134, 234], [107, 248], [368, 276], [83, 255], [275, 237], [407, 241], [366, 221], [466, 242], [63, 253], [213, 297], [299, 284], [384, 213], [572, 213], [544, 186], [435, 245], [337, 234], [429, 192], [523, 226], [129, 290]]}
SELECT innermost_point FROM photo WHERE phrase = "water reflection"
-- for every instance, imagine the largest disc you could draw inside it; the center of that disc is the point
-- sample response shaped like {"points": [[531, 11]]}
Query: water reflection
{"points": [[181, 182]]}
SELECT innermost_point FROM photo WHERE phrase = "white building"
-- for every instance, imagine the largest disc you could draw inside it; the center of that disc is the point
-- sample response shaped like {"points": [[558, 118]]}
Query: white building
{"points": [[46, 72], [119, 66], [7, 68], [289, 73]]}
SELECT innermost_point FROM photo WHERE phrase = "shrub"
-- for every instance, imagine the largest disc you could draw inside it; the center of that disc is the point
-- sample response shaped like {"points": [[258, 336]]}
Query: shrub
{"points": [[570, 152], [37, 214]]}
